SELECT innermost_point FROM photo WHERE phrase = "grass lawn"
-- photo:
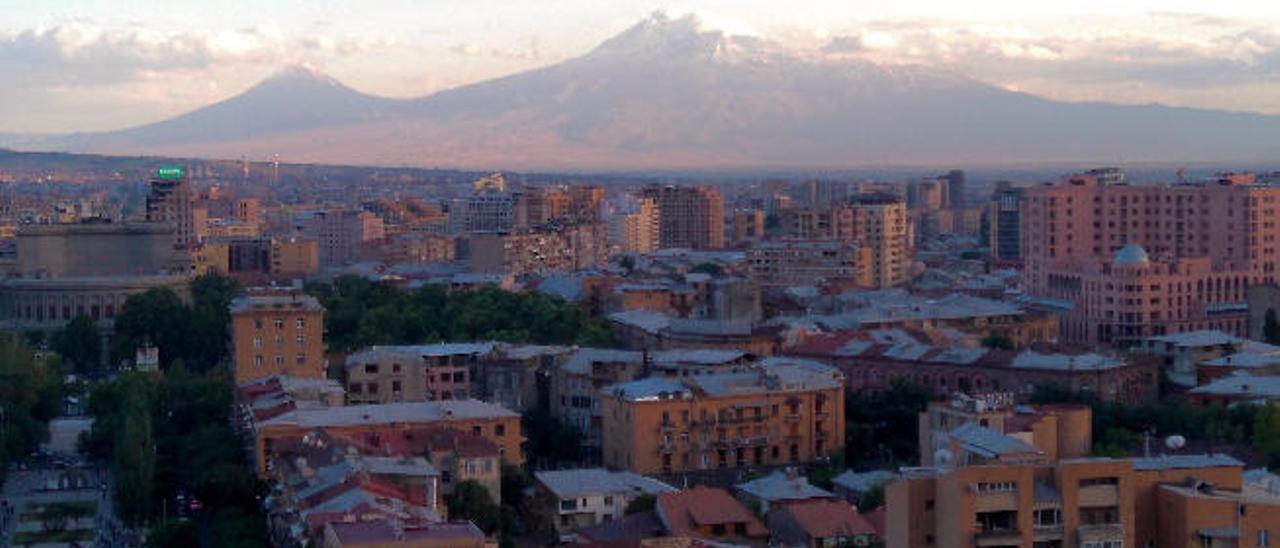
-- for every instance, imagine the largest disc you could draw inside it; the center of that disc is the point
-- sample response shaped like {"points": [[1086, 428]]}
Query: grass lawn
{"points": [[39, 537]]}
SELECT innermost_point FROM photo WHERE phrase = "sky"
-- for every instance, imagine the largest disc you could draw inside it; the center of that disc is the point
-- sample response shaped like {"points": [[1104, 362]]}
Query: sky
{"points": [[100, 65]]}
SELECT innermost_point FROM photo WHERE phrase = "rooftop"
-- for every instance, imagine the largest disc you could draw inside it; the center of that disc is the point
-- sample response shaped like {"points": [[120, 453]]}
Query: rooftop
{"points": [[388, 413], [590, 481], [1192, 339], [376, 353], [988, 443], [783, 485], [822, 519], [291, 300], [685, 511], [864, 481], [1241, 384]]}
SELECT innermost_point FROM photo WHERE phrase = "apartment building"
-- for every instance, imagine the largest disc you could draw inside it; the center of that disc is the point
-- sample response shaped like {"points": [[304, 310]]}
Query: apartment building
{"points": [[558, 249], [809, 262], [947, 428], [384, 374], [1166, 501], [688, 217], [170, 199], [1124, 262], [784, 411], [878, 222], [340, 233], [277, 332], [391, 425]]}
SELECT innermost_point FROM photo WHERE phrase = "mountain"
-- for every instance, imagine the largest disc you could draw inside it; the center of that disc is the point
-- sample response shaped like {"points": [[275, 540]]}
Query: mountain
{"points": [[668, 93]]}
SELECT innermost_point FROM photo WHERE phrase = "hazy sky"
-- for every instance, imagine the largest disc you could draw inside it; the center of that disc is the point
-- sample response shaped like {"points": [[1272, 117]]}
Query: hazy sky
{"points": [[92, 65]]}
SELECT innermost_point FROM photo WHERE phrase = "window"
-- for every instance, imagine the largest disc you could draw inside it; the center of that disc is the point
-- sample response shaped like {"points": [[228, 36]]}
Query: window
{"points": [[395, 386], [608, 501], [928, 504], [301, 323], [371, 369], [996, 487], [569, 505], [1264, 538], [300, 359], [257, 324], [499, 430], [476, 430], [279, 323], [717, 529], [357, 388], [279, 361], [1047, 517], [257, 361], [301, 340]]}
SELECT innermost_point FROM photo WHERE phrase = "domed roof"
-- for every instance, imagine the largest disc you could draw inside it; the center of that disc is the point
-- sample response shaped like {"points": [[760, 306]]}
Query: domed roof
{"points": [[1132, 254]]}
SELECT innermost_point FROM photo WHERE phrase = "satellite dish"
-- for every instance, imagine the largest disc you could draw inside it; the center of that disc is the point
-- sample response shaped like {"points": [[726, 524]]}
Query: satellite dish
{"points": [[942, 457], [1175, 442]]}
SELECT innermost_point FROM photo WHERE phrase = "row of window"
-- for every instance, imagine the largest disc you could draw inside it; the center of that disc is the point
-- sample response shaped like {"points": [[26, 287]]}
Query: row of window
{"points": [[299, 323]]}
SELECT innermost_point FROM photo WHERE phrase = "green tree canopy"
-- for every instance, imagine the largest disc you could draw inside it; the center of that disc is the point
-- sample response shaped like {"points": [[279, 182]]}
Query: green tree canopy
{"points": [[1271, 327], [472, 501], [79, 343], [30, 395]]}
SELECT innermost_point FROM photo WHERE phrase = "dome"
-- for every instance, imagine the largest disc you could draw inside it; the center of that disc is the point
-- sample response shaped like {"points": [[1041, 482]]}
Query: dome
{"points": [[1132, 254]]}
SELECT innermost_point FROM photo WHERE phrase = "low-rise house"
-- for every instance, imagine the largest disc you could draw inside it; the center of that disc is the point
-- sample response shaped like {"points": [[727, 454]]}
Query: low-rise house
{"points": [[384, 533], [585, 497], [853, 486], [1237, 388], [709, 514], [1183, 352], [819, 524], [780, 488]]}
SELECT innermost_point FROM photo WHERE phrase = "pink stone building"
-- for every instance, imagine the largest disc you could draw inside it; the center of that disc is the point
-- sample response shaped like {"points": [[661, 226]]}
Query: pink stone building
{"points": [[1124, 262]]}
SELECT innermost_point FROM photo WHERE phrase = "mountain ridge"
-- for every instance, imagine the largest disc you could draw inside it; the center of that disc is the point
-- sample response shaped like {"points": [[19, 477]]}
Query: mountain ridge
{"points": [[667, 92]]}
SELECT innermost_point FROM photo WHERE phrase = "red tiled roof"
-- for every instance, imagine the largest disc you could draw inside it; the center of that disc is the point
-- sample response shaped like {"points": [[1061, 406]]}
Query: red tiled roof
{"points": [[827, 518], [686, 510], [877, 520]]}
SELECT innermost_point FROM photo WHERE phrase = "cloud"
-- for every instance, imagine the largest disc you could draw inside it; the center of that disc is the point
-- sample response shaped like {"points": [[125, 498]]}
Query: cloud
{"points": [[530, 50]]}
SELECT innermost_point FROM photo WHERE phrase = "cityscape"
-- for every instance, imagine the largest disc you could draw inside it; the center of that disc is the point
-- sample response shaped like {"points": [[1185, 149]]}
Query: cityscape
{"points": [[630, 277]]}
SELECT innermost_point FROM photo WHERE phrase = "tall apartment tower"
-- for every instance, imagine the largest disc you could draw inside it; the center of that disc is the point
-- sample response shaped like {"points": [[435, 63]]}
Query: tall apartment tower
{"points": [[880, 223], [956, 188], [640, 231], [171, 200], [1005, 223], [688, 217]]}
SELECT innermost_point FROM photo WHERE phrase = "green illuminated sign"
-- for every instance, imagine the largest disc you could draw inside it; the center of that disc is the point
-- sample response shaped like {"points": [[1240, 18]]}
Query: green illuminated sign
{"points": [[169, 173]]}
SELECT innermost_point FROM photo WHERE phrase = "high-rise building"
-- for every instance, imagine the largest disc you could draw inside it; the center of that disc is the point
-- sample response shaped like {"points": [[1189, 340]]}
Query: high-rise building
{"points": [[640, 229], [339, 233], [277, 332], [956, 189], [748, 226], [171, 200], [688, 217], [875, 221], [1004, 223], [1124, 262], [800, 262], [880, 223]]}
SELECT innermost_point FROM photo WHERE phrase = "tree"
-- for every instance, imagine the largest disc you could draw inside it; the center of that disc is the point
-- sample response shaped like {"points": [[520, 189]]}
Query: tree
{"points": [[1266, 432], [133, 463], [472, 501], [158, 316], [30, 395], [173, 534], [514, 481], [711, 269], [881, 426], [997, 340], [1271, 327], [642, 503], [871, 499], [79, 343]]}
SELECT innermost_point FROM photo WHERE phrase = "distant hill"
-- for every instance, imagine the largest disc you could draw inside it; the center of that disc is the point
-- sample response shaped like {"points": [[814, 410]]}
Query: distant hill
{"points": [[667, 93]]}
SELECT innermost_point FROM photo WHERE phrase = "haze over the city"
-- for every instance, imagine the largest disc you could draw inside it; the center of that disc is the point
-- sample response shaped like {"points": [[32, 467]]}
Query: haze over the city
{"points": [[95, 66]]}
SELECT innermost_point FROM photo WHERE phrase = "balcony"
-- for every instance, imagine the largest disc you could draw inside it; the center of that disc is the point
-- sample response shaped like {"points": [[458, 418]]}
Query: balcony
{"points": [[996, 501], [1100, 533], [1098, 496], [998, 537], [1045, 533]]}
